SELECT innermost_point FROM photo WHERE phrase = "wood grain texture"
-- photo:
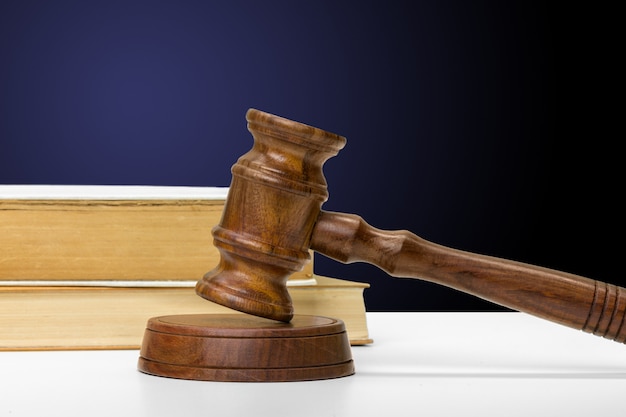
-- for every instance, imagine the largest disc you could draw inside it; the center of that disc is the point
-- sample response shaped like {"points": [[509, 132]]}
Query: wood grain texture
{"points": [[276, 191], [244, 348], [273, 215], [564, 298]]}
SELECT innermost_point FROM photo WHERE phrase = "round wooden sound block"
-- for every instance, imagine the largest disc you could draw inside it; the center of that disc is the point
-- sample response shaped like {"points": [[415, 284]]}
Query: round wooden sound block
{"points": [[245, 348]]}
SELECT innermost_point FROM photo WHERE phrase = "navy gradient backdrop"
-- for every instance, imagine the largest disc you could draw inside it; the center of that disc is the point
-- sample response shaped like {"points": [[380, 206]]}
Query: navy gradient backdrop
{"points": [[481, 125]]}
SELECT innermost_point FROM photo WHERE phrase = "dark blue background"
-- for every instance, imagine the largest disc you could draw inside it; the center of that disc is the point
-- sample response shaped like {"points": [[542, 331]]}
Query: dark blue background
{"points": [[481, 125]]}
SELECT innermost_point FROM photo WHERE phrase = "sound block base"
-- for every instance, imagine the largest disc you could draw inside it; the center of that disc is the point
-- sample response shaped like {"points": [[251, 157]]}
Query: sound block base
{"points": [[244, 348]]}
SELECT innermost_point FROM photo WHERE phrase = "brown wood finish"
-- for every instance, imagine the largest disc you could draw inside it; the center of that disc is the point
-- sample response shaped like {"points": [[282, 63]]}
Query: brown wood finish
{"points": [[243, 348], [273, 216], [571, 300], [276, 192]]}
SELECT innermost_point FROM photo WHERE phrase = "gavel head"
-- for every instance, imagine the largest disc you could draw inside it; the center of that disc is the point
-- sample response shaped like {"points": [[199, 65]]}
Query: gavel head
{"points": [[275, 196]]}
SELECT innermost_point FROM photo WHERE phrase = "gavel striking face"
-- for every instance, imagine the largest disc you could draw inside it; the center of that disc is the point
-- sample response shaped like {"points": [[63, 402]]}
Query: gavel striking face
{"points": [[273, 216]]}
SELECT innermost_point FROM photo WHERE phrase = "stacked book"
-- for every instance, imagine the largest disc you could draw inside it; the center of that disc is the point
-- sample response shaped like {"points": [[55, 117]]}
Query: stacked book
{"points": [[85, 267]]}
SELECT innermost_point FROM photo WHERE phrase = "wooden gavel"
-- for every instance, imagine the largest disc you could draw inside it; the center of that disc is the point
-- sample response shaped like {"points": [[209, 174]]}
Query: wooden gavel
{"points": [[273, 216]]}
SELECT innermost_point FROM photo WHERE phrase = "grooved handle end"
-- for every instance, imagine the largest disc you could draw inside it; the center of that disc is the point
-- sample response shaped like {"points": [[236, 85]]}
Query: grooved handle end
{"points": [[607, 315]]}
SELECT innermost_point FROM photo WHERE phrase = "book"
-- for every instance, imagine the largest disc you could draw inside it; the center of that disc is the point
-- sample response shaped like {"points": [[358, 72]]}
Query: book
{"points": [[110, 232], [64, 317], [72, 257]]}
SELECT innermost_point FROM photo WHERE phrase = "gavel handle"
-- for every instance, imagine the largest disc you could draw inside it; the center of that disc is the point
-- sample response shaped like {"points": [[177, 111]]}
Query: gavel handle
{"points": [[571, 300]]}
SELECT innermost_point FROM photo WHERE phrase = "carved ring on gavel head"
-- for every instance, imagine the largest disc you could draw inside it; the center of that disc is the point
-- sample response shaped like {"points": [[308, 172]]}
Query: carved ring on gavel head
{"points": [[273, 216]]}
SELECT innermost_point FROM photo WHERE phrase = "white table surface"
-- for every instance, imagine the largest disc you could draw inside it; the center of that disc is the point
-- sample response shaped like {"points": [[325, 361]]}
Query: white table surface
{"points": [[420, 364]]}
